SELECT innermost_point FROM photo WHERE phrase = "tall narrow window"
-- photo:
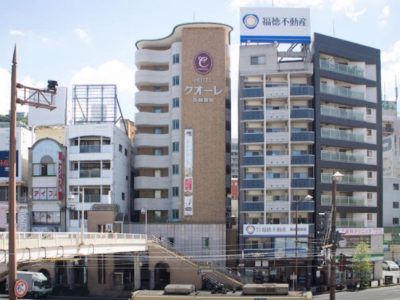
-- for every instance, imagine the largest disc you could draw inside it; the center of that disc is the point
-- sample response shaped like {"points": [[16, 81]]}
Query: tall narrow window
{"points": [[175, 80], [175, 102], [175, 59]]}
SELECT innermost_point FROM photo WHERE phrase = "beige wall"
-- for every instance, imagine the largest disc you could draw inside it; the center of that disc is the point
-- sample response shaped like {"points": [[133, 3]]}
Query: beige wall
{"points": [[54, 132], [207, 121], [96, 218]]}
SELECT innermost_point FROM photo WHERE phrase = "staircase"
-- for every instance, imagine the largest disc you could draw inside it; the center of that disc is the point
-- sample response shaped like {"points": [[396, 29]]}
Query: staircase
{"points": [[218, 277]]}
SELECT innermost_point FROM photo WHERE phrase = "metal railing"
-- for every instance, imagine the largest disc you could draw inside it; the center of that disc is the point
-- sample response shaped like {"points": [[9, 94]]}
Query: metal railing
{"points": [[342, 92], [343, 201], [341, 113], [342, 157], [337, 134], [346, 179], [341, 68]]}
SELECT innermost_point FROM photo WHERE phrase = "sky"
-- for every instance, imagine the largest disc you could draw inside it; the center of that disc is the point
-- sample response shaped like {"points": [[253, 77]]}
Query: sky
{"points": [[93, 41]]}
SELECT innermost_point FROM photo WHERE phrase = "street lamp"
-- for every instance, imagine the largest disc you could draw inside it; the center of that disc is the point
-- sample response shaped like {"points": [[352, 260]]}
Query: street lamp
{"points": [[306, 198], [336, 177], [43, 98], [144, 212]]}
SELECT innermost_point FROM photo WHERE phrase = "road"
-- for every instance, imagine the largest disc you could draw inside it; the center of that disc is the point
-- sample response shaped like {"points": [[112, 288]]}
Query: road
{"points": [[384, 293], [4, 297]]}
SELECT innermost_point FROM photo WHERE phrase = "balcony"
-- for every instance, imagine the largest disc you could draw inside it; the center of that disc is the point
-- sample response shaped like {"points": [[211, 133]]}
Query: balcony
{"points": [[276, 92], [349, 223], [308, 159], [305, 136], [251, 206], [92, 173], [253, 138], [277, 183], [303, 183], [252, 184], [149, 77], [252, 93], [326, 200], [336, 134], [144, 98], [277, 160], [302, 113], [151, 140], [342, 92], [346, 179], [152, 203], [152, 119], [147, 182], [341, 68], [148, 56], [253, 161], [341, 113], [302, 90], [152, 161], [89, 148], [277, 137], [252, 115], [277, 114], [303, 205], [341, 157]]}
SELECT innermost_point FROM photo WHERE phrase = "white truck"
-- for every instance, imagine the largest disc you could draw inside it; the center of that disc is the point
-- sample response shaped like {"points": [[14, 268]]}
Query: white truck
{"points": [[38, 284]]}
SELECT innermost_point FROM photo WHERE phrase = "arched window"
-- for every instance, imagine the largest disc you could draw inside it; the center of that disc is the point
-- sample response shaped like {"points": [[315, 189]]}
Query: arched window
{"points": [[46, 167]]}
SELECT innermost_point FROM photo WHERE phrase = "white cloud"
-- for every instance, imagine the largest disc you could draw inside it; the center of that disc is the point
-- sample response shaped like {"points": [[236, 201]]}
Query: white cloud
{"points": [[82, 35], [236, 4], [385, 15], [16, 32], [348, 7], [390, 70], [111, 72]]}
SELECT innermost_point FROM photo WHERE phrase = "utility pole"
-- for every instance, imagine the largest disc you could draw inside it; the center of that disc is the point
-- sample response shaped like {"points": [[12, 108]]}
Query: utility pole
{"points": [[36, 98], [332, 289]]}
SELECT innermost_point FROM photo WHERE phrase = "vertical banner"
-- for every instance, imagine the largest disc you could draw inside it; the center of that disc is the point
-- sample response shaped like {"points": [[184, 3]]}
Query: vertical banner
{"points": [[188, 173], [60, 176]]}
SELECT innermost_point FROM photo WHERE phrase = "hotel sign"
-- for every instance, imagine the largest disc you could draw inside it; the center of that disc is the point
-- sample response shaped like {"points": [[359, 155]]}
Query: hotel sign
{"points": [[360, 231], [275, 229], [281, 25], [188, 173]]}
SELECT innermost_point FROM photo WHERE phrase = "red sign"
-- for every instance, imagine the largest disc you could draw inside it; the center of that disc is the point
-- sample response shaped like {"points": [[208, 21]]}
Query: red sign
{"points": [[60, 176], [20, 288]]}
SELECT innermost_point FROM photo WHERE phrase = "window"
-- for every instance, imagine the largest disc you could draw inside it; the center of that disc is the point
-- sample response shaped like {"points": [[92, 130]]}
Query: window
{"points": [[46, 167], [369, 217], [205, 243], [171, 240], [175, 169], [126, 152], [257, 60], [175, 191], [157, 131], [157, 194], [175, 147], [369, 111], [175, 102], [175, 214], [157, 110], [120, 148], [395, 204], [396, 186], [46, 217], [369, 174], [157, 215], [106, 165], [369, 195], [369, 153], [369, 132], [175, 124], [123, 196], [175, 59], [157, 152], [106, 141], [175, 80], [395, 221]]}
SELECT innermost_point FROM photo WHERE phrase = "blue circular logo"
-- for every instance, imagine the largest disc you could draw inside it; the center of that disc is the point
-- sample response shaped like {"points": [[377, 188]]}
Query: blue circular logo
{"points": [[250, 21]]}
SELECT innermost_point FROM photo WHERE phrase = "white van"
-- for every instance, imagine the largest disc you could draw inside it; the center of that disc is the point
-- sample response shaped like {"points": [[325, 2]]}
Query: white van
{"points": [[389, 265]]}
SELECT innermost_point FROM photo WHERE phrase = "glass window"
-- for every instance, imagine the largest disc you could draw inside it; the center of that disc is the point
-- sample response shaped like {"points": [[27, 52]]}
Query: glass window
{"points": [[395, 204], [205, 242], [157, 110], [120, 148], [175, 124], [123, 196], [175, 191], [175, 147], [257, 60], [157, 152], [106, 165], [175, 214], [175, 169], [175, 102], [157, 131], [175, 59], [157, 194], [395, 221], [175, 80], [396, 186]]}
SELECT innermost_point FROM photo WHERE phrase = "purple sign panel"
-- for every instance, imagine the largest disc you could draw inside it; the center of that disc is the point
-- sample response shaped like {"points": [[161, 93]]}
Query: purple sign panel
{"points": [[203, 63], [4, 166]]}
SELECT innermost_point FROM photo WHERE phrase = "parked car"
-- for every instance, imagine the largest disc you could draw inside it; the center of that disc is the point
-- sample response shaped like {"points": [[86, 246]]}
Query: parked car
{"points": [[389, 265]]}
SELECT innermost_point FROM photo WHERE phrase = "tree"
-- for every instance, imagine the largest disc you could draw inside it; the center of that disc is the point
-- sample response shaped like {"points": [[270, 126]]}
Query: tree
{"points": [[362, 264]]}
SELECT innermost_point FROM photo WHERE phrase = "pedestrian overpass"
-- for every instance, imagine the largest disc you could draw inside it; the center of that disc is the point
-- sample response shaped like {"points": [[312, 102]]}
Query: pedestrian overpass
{"points": [[37, 246]]}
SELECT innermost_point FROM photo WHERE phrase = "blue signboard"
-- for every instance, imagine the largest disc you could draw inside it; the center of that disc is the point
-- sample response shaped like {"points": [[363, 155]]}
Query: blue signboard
{"points": [[4, 164]]}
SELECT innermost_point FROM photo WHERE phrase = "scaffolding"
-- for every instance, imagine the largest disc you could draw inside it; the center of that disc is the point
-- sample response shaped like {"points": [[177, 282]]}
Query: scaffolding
{"points": [[96, 103]]}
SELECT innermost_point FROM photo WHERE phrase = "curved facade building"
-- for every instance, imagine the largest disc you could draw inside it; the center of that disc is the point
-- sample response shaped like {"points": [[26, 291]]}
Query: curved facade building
{"points": [[182, 162]]}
